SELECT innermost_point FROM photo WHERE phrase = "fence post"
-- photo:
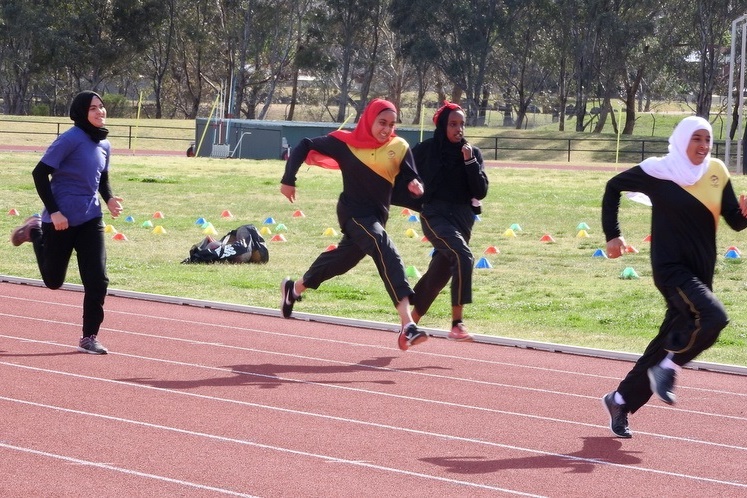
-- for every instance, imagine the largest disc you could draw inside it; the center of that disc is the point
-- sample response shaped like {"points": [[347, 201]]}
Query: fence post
{"points": [[569, 150]]}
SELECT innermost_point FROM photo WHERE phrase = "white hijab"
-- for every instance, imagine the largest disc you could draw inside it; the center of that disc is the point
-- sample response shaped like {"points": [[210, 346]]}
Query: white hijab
{"points": [[676, 166]]}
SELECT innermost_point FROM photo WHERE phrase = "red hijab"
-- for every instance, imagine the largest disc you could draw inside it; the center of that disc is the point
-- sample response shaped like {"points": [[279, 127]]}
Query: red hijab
{"points": [[360, 137]]}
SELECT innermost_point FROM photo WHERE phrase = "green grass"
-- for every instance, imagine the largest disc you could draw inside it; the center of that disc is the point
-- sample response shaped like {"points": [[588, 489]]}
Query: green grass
{"points": [[553, 292]]}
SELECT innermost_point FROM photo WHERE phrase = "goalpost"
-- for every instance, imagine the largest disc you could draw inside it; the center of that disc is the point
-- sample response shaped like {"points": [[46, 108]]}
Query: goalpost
{"points": [[738, 31]]}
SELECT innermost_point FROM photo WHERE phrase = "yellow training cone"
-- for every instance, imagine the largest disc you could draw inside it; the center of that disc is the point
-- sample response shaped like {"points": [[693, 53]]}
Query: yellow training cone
{"points": [[210, 230], [330, 232], [411, 233], [582, 234], [159, 230], [265, 231], [509, 233], [110, 229]]}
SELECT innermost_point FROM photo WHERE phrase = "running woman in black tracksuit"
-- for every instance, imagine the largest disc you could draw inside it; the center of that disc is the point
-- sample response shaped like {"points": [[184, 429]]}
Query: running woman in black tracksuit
{"points": [[370, 158], [454, 179], [689, 193]]}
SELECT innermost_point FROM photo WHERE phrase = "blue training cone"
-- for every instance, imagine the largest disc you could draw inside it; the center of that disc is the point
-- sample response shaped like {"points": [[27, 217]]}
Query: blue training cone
{"points": [[483, 263]]}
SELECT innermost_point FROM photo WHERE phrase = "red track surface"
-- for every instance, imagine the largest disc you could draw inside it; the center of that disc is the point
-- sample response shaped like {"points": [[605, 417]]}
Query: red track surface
{"points": [[202, 402]]}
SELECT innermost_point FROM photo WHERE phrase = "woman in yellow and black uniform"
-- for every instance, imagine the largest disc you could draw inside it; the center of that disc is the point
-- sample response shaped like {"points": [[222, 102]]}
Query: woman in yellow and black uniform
{"points": [[371, 158], [689, 192], [455, 181]]}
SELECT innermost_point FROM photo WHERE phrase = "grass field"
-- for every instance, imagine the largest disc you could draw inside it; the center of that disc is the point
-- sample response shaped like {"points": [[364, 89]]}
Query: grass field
{"points": [[554, 292]]}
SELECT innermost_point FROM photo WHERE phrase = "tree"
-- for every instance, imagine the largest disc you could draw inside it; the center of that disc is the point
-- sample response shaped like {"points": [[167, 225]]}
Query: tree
{"points": [[466, 36], [160, 51], [407, 17], [19, 25], [457, 36], [522, 62], [195, 55], [702, 29], [259, 44], [627, 30]]}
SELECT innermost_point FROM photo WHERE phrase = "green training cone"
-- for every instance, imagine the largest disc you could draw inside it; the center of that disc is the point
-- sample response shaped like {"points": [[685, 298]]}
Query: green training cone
{"points": [[628, 273]]}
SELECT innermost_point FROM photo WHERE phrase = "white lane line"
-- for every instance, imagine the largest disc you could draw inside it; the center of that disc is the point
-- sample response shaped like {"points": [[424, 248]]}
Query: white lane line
{"points": [[356, 421], [479, 338], [379, 393], [420, 352], [388, 369], [224, 439], [575, 458], [123, 470]]}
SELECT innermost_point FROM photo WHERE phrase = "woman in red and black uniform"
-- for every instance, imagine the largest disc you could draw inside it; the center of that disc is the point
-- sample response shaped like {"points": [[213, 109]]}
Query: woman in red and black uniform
{"points": [[689, 193], [370, 158], [454, 178]]}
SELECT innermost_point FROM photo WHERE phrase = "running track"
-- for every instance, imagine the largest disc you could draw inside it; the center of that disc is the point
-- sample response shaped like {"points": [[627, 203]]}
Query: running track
{"points": [[197, 401]]}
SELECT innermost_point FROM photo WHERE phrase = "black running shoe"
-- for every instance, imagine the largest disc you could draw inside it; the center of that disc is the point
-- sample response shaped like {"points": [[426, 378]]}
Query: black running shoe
{"points": [[411, 336], [662, 383], [618, 416], [288, 299]]}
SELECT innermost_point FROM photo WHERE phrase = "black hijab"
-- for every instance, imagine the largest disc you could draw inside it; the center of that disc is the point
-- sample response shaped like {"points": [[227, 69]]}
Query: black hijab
{"points": [[449, 151], [442, 154], [79, 115]]}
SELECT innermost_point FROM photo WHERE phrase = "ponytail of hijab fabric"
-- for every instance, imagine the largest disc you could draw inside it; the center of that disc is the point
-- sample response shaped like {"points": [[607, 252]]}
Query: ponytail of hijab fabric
{"points": [[79, 114], [360, 137], [676, 166]]}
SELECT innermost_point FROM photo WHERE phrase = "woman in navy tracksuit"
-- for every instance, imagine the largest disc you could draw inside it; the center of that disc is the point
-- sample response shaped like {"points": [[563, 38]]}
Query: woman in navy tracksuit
{"points": [[454, 181]]}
